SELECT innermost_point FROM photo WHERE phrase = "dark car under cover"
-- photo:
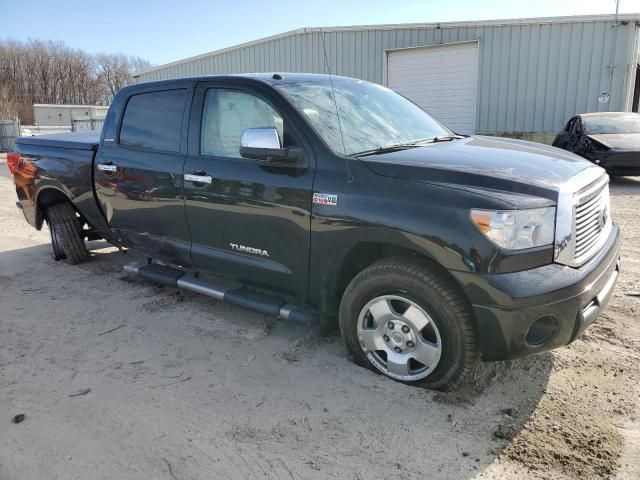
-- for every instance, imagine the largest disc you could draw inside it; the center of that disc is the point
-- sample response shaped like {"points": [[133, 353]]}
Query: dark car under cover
{"points": [[608, 139]]}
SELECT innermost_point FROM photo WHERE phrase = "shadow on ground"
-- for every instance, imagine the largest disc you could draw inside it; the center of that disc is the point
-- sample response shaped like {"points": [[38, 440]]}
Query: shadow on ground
{"points": [[624, 186]]}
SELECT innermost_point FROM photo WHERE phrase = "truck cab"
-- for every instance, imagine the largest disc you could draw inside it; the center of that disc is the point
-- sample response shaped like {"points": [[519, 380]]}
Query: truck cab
{"points": [[172, 182]]}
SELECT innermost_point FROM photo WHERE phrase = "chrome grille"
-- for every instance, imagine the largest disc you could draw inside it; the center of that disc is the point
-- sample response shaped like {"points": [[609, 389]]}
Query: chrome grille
{"points": [[581, 227], [592, 220]]}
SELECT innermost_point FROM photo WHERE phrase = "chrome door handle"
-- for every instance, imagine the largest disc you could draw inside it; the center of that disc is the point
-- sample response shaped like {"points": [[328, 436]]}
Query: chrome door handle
{"points": [[106, 167], [190, 177]]}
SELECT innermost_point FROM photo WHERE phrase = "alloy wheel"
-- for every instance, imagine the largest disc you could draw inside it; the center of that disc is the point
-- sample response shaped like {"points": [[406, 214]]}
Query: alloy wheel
{"points": [[399, 337]]}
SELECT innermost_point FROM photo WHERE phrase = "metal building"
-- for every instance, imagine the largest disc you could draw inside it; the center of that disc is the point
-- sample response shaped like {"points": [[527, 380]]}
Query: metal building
{"points": [[522, 77], [63, 115]]}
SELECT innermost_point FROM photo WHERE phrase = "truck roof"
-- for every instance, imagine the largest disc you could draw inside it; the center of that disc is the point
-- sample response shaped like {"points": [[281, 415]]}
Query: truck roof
{"points": [[272, 78], [286, 77]]}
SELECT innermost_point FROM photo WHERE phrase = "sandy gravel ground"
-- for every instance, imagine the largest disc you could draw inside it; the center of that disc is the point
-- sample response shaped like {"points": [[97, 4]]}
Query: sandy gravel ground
{"points": [[184, 387]]}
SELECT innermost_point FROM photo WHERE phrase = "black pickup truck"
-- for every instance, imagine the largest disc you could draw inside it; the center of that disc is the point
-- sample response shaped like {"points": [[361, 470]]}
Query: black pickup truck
{"points": [[314, 197]]}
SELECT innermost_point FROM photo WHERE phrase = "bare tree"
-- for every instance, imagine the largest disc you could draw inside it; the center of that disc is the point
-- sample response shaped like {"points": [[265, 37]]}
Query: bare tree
{"points": [[137, 65], [9, 108], [51, 72], [116, 70]]}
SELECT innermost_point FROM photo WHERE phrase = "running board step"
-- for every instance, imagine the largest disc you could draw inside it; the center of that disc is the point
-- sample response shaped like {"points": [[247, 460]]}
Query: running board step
{"points": [[229, 292]]}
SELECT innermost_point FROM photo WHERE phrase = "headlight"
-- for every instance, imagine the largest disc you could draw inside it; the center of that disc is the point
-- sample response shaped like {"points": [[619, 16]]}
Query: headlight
{"points": [[517, 229]]}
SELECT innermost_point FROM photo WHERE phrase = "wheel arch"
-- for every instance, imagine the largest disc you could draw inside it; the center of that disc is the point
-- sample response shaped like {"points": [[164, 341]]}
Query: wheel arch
{"points": [[45, 198], [350, 261]]}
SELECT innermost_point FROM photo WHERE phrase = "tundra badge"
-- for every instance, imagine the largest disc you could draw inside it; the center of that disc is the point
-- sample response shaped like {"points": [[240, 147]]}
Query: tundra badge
{"points": [[255, 251]]}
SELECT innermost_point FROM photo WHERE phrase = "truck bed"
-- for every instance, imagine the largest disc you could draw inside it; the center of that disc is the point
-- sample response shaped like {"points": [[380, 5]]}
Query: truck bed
{"points": [[74, 140], [62, 163]]}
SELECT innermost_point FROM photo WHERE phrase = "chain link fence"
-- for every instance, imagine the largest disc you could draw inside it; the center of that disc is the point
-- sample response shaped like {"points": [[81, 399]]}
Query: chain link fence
{"points": [[33, 130], [9, 131], [85, 124]]}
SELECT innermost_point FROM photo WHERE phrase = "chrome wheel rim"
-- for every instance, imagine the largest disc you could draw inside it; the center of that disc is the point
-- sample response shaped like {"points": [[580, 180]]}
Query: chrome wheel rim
{"points": [[399, 337]]}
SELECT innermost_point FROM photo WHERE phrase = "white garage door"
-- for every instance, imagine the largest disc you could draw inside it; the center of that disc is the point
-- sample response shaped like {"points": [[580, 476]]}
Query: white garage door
{"points": [[442, 79]]}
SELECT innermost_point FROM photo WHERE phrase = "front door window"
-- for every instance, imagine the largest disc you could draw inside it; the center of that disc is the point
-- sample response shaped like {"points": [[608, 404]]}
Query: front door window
{"points": [[228, 113]]}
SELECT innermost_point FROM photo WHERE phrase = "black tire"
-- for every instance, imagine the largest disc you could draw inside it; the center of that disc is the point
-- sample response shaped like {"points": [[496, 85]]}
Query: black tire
{"points": [[67, 240], [417, 281], [56, 234]]}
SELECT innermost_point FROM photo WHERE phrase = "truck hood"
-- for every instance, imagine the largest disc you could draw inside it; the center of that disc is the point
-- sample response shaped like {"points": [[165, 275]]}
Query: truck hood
{"points": [[619, 141], [487, 163]]}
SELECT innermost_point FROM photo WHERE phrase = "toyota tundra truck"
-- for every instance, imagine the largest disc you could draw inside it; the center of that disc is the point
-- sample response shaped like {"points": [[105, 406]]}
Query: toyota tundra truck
{"points": [[316, 198]]}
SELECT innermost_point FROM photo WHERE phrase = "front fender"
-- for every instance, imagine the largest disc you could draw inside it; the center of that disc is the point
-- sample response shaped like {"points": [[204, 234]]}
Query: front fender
{"points": [[426, 219]]}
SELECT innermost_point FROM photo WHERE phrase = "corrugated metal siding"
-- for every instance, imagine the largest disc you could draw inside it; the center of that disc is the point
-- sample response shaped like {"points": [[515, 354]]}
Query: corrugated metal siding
{"points": [[443, 79], [532, 77]]}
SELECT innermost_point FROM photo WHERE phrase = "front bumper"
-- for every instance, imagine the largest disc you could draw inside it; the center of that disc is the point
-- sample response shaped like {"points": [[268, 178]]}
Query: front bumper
{"points": [[543, 308]]}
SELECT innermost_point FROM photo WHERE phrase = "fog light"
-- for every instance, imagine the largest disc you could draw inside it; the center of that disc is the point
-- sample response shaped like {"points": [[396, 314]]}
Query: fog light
{"points": [[541, 331]]}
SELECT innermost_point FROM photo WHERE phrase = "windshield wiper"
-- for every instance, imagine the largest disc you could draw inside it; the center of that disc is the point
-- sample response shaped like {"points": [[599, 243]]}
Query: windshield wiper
{"points": [[443, 138], [404, 146], [387, 149]]}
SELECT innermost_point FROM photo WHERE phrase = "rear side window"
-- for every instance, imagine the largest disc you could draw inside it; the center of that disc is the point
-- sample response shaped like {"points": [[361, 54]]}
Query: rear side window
{"points": [[153, 121]]}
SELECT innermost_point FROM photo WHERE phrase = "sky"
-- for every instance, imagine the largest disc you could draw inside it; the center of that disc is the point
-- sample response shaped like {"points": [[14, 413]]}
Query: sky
{"points": [[162, 31]]}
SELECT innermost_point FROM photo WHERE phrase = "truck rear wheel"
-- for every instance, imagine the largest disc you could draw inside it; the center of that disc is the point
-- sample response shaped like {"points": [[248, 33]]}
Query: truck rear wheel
{"points": [[66, 234], [399, 318]]}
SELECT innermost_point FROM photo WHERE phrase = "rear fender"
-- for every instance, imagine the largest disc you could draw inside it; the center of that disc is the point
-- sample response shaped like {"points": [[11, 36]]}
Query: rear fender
{"points": [[46, 196]]}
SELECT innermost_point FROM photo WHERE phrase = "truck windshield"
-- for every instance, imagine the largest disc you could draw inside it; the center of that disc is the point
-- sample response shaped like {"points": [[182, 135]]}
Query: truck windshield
{"points": [[371, 117]]}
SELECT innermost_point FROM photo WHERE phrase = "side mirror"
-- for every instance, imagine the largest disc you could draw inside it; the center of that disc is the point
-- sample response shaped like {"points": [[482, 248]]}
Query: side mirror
{"points": [[264, 144]]}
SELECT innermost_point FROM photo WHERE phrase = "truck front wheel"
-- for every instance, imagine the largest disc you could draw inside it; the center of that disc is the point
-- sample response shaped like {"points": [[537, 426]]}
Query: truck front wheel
{"points": [[66, 234], [400, 318]]}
